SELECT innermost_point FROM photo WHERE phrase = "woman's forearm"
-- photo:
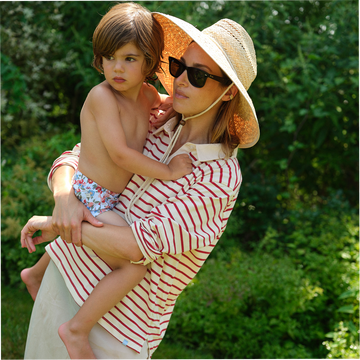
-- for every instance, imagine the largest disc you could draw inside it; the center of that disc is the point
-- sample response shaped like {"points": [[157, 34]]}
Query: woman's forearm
{"points": [[115, 241], [61, 180]]}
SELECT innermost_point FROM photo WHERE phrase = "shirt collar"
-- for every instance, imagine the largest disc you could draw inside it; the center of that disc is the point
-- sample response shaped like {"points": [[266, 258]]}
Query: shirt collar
{"points": [[205, 152]]}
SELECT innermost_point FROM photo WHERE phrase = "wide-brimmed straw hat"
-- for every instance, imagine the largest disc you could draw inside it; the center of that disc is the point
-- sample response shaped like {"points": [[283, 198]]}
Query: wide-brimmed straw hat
{"points": [[231, 47]]}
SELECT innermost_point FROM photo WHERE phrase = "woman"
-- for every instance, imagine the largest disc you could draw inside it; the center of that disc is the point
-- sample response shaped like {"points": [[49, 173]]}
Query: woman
{"points": [[173, 225]]}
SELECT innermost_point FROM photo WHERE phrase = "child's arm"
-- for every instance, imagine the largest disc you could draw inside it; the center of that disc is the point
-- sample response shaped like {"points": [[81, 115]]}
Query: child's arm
{"points": [[105, 110]]}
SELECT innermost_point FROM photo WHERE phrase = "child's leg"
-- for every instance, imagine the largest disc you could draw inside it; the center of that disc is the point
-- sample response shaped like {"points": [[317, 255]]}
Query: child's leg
{"points": [[110, 217], [32, 277], [107, 293]]}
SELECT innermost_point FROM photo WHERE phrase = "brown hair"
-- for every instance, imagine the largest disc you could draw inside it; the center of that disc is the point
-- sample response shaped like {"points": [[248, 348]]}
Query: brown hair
{"points": [[221, 131], [129, 23]]}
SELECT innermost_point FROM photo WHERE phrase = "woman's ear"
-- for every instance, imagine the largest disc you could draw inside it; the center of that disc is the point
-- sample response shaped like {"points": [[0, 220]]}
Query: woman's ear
{"points": [[230, 94]]}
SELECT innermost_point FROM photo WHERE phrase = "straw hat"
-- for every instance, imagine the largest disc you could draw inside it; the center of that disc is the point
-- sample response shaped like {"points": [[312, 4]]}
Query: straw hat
{"points": [[231, 47]]}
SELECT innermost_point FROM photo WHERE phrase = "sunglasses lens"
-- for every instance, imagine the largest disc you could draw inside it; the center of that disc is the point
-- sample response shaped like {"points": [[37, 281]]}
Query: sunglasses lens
{"points": [[176, 68], [197, 77]]}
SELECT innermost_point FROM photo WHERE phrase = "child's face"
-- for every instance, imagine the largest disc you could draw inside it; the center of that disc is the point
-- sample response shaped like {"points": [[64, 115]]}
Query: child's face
{"points": [[124, 69]]}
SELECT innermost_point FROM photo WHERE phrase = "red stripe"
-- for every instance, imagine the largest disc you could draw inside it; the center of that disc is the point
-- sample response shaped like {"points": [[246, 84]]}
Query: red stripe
{"points": [[67, 275]]}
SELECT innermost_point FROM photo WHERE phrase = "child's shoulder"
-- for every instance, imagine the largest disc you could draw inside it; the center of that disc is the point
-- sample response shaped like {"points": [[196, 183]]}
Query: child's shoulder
{"points": [[101, 89], [101, 93], [150, 92]]}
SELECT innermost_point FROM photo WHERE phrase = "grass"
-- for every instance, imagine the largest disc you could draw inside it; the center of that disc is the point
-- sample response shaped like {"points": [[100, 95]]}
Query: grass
{"points": [[169, 350], [16, 306]]}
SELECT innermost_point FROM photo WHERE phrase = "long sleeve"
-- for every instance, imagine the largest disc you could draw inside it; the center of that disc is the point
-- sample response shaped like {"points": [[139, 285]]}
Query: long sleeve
{"points": [[191, 219]]}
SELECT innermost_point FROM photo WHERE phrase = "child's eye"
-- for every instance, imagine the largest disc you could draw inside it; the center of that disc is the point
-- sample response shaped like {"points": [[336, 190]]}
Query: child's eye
{"points": [[109, 57], [130, 59]]}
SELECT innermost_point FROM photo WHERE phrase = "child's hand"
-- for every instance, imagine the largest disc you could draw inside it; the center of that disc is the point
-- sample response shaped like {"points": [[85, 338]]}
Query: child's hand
{"points": [[180, 165]]}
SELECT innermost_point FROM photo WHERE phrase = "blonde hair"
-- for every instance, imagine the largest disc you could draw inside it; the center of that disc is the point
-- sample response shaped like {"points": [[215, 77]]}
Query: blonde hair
{"points": [[129, 23]]}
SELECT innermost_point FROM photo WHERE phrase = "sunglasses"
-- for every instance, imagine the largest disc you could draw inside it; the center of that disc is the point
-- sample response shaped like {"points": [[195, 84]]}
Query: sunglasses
{"points": [[196, 76]]}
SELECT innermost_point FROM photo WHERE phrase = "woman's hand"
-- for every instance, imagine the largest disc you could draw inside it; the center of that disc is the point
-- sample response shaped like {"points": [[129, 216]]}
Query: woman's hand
{"points": [[69, 212], [43, 223], [68, 215], [166, 113]]}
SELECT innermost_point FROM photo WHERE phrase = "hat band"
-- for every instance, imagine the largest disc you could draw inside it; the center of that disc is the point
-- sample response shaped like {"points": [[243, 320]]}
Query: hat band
{"points": [[211, 106], [182, 123]]}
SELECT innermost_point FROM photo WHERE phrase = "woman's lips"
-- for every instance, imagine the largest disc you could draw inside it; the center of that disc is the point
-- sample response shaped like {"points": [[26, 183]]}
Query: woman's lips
{"points": [[180, 95]]}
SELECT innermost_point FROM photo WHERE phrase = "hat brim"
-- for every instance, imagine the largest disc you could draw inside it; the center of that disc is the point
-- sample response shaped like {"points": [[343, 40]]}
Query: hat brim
{"points": [[178, 34]]}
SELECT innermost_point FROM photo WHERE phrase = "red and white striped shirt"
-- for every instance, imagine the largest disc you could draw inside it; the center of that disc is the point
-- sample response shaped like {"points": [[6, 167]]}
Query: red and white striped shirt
{"points": [[176, 225]]}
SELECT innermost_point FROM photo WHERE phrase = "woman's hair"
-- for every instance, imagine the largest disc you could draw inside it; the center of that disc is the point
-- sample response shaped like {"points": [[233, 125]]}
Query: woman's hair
{"points": [[220, 133], [129, 23]]}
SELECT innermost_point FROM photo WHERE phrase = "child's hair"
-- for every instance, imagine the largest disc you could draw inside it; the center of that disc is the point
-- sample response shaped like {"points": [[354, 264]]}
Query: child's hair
{"points": [[129, 23]]}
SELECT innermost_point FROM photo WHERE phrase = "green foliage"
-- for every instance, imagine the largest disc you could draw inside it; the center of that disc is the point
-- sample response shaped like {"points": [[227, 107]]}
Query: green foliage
{"points": [[246, 306], [25, 193], [308, 92], [35, 69]]}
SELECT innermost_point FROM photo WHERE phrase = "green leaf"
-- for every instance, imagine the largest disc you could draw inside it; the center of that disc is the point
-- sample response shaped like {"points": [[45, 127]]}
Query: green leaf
{"points": [[349, 309]]}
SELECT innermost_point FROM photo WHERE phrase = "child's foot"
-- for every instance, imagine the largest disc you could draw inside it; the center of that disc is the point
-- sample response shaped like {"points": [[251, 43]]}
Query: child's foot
{"points": [[32, 283], [77, 344]]}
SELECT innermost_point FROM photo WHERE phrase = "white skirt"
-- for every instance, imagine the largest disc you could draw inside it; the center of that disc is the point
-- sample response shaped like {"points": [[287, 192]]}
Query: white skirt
{"points": [[53, 306]]}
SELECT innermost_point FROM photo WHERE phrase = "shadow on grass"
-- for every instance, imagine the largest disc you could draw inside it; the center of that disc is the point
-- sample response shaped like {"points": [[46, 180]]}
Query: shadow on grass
{"points": [[16, 306]]}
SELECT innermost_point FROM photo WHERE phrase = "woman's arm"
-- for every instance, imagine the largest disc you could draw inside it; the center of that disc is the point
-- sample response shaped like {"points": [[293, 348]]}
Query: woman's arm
{"points": [[115, 241], [69, 212]]}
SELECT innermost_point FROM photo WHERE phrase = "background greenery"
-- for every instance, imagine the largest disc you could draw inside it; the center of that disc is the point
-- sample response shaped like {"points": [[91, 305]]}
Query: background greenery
{"points": [[283, 281]]}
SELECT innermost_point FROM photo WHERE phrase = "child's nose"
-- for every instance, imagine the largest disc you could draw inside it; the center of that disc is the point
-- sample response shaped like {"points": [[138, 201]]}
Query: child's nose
{"points": [[118, 66]]}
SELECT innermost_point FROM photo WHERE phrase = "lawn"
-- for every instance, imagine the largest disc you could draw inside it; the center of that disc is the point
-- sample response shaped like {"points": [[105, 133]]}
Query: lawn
{"points": [[16, 305]]}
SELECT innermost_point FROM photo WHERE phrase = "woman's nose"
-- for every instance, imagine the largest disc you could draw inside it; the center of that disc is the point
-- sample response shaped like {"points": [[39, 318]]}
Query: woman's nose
{"points": [[182, 79]]}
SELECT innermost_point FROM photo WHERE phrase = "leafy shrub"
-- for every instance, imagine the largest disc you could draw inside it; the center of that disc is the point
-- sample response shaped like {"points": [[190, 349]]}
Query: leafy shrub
{"points": [[24, 194], [282, 299], [245, 307], [34, 66]]}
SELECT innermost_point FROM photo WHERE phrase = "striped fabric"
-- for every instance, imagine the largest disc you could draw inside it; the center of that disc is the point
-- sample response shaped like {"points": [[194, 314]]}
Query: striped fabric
{"points": [[176, 225]]}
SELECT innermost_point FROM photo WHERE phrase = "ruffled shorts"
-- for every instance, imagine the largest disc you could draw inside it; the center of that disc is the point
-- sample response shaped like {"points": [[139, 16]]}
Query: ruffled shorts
{"points": [[95, 197]]}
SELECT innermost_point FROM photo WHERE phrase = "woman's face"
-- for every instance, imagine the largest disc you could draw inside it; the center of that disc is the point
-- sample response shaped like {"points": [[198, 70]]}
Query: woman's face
{"points": [[189, 100]]}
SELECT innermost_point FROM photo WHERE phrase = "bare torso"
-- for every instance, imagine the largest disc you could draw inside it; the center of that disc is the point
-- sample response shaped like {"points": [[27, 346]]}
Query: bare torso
{"points": [[95, 161]]}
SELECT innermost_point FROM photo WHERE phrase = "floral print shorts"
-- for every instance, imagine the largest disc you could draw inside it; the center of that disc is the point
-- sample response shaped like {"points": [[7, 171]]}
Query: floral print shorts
{"points": [[95, 197]]}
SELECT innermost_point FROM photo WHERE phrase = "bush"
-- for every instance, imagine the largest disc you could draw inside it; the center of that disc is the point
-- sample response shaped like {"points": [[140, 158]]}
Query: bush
{"points": [[245, 307], [24, 194], [284, 298]]}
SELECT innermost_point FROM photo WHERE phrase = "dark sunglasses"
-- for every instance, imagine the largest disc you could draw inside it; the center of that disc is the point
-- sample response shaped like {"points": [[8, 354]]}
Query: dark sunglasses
{"points": [[196, 76]]}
